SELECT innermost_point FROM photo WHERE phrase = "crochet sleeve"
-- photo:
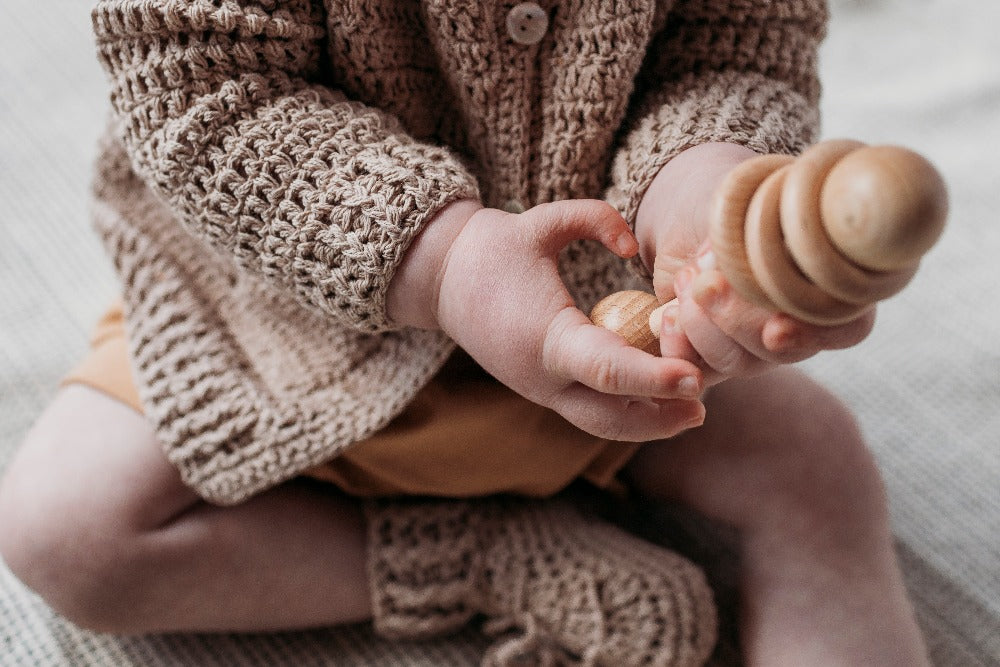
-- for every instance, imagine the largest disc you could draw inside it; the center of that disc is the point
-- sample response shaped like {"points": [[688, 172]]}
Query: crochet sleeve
{"points": [[738, 71], [222, 111]]}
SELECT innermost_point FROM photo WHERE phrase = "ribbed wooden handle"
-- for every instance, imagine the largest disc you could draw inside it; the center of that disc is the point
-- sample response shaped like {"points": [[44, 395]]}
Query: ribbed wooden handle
{"points": [[820, 237]]}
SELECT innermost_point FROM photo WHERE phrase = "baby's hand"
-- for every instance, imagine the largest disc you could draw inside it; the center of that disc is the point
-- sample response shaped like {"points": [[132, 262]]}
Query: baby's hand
{"points": [[503, 301], [711, 325]]}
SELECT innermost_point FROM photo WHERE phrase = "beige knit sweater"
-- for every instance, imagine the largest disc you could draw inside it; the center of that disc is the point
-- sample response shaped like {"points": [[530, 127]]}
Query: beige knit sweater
{"points": [[269, 162]]}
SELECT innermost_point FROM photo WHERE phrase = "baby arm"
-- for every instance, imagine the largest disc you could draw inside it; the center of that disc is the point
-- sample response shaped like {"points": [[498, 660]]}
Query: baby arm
{"points": [[228, 115], [489, 280], [710, 324]]}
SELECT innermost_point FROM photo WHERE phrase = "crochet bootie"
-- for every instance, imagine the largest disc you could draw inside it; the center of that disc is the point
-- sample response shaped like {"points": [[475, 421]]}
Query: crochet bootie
{"points": [[562, 587]]}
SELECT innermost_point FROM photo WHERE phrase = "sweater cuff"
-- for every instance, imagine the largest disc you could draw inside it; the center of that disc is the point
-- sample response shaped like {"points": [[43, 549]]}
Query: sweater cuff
{"points": [[742, 108], [370, 233]]}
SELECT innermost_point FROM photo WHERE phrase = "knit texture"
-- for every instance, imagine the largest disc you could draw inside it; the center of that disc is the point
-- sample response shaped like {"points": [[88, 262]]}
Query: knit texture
{"points": [[269, 162], [558, 586]]}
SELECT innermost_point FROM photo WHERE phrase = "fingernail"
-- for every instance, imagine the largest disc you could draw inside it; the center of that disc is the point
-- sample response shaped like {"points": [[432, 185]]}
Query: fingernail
{"points": [[706, 260], [781, 335], [683, 280], [785, 340], [667, 313], [656, 320], [626, 244], [689, 386], [697, 421], [706, 290], [672, 315]]}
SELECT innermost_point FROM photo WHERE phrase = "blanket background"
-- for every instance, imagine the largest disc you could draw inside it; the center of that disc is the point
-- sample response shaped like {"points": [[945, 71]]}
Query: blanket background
{"points": [[926, 384]]}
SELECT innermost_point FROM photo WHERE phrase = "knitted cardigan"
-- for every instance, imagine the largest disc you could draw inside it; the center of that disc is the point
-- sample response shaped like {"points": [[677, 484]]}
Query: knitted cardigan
{"points": [[268, 163]]}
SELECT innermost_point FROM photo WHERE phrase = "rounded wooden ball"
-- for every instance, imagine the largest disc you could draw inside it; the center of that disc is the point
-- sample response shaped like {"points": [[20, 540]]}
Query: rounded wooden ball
{"points": [[884, 207], [627, 314]]}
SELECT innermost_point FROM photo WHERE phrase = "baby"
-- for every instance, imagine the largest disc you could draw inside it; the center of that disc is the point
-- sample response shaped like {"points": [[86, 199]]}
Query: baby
{"points": [[353, 370]]}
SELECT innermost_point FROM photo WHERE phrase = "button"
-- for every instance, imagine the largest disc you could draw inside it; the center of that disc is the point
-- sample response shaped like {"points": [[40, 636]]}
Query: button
{"points": [[527, 23], [513, 206]]}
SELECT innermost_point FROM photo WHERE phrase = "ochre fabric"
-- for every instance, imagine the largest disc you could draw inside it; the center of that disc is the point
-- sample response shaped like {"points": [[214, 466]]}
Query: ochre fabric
{"points": [[105, 367], [269, 162], [463, 435]]}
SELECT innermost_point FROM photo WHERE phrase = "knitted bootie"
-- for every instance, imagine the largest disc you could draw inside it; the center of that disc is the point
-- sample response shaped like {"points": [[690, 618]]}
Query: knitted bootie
{"points": [[564, 587]]}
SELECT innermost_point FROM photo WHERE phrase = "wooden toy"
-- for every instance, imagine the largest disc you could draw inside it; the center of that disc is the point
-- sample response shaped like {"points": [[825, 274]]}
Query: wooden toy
{"points": [[820, 237], [628, 313]]}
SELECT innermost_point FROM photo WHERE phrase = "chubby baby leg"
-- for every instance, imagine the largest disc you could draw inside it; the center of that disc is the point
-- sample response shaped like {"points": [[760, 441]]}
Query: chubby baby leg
{"points": [[782, 460], [97, 522]]}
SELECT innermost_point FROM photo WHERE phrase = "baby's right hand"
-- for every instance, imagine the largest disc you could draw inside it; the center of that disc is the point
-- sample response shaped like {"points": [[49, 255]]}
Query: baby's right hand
{"points": [[503, 301]]}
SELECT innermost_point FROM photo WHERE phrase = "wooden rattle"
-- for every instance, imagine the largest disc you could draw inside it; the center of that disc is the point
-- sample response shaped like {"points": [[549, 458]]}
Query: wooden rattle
{"points": [[820, 237]]}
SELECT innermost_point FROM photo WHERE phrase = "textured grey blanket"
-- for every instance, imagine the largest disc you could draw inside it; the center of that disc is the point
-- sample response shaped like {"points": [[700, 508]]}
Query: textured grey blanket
{"points": [[926, 385]]}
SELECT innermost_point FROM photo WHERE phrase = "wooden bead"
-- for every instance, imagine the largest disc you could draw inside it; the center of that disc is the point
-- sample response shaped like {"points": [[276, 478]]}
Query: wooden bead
{"points": [[627, 314], [884, 207], [809, 244]]}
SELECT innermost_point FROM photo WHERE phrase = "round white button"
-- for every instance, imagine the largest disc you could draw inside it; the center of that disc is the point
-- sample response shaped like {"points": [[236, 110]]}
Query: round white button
{"points": [[527, 23]]}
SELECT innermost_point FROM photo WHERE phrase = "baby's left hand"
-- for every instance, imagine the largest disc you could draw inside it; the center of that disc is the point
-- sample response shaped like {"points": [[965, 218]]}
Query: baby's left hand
{"points": [[711, 325]]}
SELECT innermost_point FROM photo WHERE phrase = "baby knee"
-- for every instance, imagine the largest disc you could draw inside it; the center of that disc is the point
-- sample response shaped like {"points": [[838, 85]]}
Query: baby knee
{"points": [[23, 536], [830, 472], [55, 547]]}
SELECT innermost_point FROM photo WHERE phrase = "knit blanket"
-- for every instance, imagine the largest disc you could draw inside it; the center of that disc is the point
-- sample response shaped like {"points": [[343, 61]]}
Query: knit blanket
{"points": [[925, 385]]}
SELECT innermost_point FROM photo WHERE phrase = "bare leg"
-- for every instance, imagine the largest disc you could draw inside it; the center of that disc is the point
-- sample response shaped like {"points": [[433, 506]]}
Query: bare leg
{"points": [[94, 519], [780, 459]]}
